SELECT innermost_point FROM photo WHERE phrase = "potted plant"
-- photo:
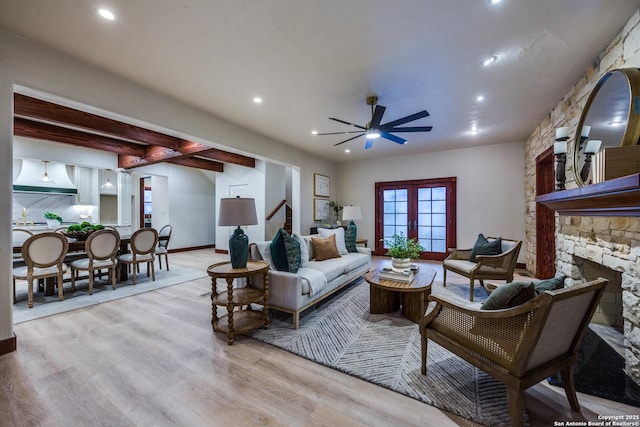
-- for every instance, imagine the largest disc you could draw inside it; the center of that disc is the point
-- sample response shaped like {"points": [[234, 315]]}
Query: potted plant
{"points": [[402, 250], [336, 207], [53, 219]]}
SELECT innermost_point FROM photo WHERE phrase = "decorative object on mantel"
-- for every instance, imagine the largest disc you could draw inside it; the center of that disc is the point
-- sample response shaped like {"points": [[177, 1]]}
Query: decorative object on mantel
{"points": [[615, 162], [612, 115], [237, 212], [402, 250], [592, 147], [560, 152], [53, 219]]}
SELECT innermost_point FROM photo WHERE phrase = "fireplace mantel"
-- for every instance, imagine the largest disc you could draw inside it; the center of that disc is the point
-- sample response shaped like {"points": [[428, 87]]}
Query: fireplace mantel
{"points": [[616, 197]]}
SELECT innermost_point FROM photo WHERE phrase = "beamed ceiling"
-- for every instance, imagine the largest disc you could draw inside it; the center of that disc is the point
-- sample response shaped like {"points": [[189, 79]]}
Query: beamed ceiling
{"points": [[134, 145]]}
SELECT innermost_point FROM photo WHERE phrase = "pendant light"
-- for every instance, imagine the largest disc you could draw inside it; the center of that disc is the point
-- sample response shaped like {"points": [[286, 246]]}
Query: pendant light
{"points": [[108, 184], [45, 178]]}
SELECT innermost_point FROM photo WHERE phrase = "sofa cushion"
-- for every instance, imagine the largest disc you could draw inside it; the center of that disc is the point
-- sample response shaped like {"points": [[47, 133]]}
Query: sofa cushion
{"points": [[331, 268], [304, 250], [325, 248], [509, 295], [279, 251], [485, 247], [353, 260], [294, 257], [339, 233]]}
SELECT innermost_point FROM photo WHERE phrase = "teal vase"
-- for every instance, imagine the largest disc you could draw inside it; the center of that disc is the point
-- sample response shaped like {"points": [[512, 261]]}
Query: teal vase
{"points": [[239, 249]]}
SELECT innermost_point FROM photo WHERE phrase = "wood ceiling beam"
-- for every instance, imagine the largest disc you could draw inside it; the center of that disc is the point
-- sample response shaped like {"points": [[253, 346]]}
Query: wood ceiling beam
{"points": [[158, 147], [39, 130], [132, 162]]}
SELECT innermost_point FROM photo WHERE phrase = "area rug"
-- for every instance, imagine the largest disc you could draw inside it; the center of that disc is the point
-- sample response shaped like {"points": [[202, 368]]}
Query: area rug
{"points": [[384, 349], [102, 292]]}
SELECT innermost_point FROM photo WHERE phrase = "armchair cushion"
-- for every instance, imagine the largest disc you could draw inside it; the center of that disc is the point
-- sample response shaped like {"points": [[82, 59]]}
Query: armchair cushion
{"points": [[549, 284], [509, 295], [485, 247]]}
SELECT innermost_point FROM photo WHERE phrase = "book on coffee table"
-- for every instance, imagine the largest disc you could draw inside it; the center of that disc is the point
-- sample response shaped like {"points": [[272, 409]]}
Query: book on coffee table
{"points": [[389, 274]]}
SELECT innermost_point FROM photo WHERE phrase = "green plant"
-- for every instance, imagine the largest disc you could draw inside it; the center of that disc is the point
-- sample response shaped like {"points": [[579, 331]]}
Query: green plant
{"points": [[337, 207], [52, 215], [401, 247]]}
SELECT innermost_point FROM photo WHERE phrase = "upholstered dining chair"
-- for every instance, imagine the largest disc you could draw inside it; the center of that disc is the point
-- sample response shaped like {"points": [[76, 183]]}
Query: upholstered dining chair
{"points": [[495, 267], [19, 235], [44, 257], [143, 244], [518, 346], [163, 243], [101, 248]]}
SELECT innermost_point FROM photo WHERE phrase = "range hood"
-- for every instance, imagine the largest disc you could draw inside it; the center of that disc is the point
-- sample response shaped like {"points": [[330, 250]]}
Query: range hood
{"points": [[30, 180]]}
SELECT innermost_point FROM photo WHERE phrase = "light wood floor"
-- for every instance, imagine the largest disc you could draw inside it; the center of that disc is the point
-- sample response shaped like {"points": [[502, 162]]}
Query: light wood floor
{"points": [[153, 360]]}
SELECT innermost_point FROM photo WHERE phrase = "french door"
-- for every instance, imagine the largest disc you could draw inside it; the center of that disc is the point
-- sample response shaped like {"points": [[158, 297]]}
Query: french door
{"points": [[420, 209]]}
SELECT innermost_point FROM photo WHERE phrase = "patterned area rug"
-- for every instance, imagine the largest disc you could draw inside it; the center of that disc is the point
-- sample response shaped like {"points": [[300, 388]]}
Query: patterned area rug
{"points": [[384, 349]]}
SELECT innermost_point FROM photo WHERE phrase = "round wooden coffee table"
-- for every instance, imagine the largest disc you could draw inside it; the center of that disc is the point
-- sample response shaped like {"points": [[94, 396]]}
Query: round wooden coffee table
{"points": [[387, 296]]}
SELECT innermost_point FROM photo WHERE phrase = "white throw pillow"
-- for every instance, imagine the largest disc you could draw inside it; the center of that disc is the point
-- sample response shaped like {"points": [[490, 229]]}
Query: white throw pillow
{"points": [[304, 250], [339, 232], [265, 252]]}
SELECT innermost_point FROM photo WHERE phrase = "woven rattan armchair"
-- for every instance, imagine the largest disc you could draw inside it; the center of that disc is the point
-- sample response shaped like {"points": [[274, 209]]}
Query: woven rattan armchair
{"points": [[493, 267], [518, 346]]}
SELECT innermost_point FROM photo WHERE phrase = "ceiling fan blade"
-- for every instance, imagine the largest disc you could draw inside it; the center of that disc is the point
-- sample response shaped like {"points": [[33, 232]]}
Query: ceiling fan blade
{"points": [[340, 133], [368, 144], [404, 120], [412, 129], [347, 140], [347, 123], [393, 138], [377, 116]]}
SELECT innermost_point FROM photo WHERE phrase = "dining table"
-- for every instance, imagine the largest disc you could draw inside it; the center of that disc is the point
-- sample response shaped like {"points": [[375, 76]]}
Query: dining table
{"points": [[76, 251]]}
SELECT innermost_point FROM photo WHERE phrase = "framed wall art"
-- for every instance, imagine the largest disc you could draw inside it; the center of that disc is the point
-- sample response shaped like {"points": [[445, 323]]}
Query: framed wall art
{"points": [[320, 209], [321, 186]]}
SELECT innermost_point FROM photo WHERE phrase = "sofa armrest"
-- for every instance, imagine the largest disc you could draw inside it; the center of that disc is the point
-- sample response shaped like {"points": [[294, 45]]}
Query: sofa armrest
{"points": [[285, 289]]}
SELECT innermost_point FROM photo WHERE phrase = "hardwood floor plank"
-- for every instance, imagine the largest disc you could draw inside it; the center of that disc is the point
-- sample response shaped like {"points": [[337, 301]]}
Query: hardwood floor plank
{"points": [[153, 359]]}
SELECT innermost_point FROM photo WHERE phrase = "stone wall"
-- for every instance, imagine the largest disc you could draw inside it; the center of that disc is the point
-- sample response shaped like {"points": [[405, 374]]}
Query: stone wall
{"points": [[612, 242]]}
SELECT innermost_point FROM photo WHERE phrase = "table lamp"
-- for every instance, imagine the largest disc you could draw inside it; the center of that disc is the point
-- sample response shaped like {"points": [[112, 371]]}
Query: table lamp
{"points": [[351, 213], [238, 211]]}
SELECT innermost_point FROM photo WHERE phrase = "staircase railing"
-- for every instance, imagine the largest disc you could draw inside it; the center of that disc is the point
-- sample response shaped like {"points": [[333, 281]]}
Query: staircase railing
{"points": [[275, 211]]}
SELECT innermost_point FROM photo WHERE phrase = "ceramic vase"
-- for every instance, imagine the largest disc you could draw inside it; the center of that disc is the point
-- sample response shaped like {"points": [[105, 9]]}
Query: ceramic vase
{"points": [[401, 263]]}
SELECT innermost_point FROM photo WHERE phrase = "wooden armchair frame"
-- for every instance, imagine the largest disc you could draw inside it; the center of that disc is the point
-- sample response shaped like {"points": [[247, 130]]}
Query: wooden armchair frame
{"points": [[519, 346], [492, 267]]}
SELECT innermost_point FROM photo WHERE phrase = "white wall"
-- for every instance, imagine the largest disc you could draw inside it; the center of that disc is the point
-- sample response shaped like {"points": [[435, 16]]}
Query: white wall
{"points": [[252, 183], [490, 182]]}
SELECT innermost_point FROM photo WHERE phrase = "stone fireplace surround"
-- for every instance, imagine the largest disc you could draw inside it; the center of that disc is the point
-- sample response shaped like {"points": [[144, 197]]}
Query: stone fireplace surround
{"points": [[614, 243]]}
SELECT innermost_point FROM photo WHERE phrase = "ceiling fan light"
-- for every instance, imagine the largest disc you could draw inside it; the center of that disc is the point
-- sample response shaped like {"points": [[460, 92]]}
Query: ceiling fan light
{"points": [[372, 134]]}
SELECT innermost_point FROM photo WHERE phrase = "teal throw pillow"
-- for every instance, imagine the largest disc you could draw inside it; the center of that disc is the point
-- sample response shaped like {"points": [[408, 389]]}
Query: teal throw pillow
{"points": [[485, 247], [279, 251], [549, 284], [509, 295], [294, 254]]}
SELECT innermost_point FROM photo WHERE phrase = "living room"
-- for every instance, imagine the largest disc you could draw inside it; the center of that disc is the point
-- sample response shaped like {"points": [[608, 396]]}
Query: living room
{"points": [[480, 170]]}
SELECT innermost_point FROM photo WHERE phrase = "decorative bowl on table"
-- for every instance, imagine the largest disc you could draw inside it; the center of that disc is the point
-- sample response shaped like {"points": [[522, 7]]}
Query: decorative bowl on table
{"points": [[78, 234]]}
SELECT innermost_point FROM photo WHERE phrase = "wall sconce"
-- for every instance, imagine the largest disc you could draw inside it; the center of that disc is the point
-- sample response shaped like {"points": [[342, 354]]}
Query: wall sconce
{"points": [[593, 146], [560, 152]]}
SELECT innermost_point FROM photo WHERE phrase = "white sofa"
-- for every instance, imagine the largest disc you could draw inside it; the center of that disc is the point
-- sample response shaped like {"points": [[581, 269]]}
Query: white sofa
{"points": [[293, 292]]}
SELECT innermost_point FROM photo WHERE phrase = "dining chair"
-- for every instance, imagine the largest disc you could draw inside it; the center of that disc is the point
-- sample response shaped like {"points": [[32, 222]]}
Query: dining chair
{"points": [[163, 243], [101, 248], [143, 244], [44, 257], [19, 235]]}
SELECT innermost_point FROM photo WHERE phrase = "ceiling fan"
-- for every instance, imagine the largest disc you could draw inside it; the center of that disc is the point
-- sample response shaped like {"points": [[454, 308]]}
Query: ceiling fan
{"points": [[374, 129]]}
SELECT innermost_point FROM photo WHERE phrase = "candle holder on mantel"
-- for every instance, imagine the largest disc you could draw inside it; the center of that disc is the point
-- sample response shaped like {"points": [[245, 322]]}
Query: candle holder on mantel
{"points": [[560, 152]]}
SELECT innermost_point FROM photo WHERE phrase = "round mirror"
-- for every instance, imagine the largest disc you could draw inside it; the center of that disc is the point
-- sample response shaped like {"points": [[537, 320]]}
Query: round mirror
{"points": [[612, 111]]}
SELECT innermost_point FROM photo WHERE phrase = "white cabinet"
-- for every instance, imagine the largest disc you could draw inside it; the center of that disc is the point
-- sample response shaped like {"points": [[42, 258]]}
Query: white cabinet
{"points": [[86, 180], [124, 199]]}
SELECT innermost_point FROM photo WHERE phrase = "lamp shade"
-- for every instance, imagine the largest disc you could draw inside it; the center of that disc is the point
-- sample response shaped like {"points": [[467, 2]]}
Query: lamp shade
{"points": [[237, 211], [351, 213]]}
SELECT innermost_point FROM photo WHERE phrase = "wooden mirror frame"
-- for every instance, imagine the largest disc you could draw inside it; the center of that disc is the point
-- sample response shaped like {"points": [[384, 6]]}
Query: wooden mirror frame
{"points": [[631, 132]]}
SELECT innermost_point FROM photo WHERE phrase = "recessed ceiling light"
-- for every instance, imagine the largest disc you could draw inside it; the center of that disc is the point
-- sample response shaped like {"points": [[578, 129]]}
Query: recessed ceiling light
{"points": [[106, 14], [474, 130], [257, 100], [489, 60], [480, 98], [495, 1], [314, 132], [616, 123], [347, 151]]}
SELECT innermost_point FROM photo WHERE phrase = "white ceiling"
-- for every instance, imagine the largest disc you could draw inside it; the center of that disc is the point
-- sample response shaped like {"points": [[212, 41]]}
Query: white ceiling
{"points": [[311, 60]]}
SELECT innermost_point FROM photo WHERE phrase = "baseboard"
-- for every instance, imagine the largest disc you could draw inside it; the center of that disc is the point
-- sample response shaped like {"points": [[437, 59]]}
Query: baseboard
{"points": [[221, 251], [192, 248], [8, 345]]}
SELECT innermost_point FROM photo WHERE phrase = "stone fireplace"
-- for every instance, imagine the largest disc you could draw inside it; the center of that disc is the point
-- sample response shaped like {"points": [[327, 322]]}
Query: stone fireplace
{"points": [[609, 247]]}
